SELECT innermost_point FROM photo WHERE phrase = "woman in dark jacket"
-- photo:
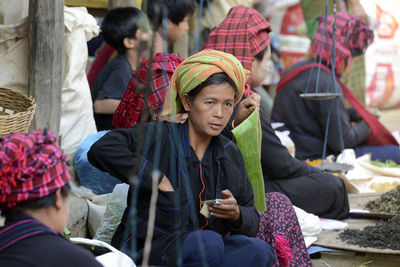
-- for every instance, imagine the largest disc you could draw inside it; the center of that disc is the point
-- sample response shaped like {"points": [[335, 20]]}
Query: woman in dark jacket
{"points": [[307, 187], [191, 163], [33, 199], [309, 120]]}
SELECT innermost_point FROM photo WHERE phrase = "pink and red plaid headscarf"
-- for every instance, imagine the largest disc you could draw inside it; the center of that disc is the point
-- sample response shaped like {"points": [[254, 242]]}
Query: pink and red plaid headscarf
{"points": [[243, 33], [32, 166], [352, 38]]}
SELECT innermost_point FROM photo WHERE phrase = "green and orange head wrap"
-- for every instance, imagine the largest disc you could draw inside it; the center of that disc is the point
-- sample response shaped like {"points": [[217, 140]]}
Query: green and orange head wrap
{"points": [[195, 70]]}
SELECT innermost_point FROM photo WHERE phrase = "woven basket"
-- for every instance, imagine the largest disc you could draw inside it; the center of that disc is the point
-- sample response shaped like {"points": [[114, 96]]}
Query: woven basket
{"points": [[16, 111]]}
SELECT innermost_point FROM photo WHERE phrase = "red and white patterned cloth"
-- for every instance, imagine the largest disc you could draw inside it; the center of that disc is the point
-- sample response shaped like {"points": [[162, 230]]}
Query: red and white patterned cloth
{"points": [[32, 166], [352, 37], [243, 33], [131, 105]]}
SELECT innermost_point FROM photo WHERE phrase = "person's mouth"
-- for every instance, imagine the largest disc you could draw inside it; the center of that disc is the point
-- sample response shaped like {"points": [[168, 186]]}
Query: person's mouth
{"points": [[216, 126]]}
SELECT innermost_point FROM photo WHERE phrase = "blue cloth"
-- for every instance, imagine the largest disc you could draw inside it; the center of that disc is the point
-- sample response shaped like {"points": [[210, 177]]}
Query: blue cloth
{"points": [[234, 250], [89, 176], [381, 153]]}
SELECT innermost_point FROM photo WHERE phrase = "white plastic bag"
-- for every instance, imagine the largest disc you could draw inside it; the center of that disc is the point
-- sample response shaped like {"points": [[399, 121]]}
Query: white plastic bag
{"points": [[112, 216]]}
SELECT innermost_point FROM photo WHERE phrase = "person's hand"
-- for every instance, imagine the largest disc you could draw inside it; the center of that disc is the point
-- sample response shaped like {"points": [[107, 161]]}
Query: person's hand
{"points": [[229, 210], [165, 185], [246, 107]]}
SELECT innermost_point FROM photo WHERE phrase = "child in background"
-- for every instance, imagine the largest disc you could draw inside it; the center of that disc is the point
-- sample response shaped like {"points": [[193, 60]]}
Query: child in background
{"points": [[123, 29], [163, 65]]}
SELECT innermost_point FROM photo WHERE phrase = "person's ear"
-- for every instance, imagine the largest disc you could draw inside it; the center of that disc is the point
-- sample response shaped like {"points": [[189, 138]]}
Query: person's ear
{"points": [[186, 102], [59, 201], [129, 43]]}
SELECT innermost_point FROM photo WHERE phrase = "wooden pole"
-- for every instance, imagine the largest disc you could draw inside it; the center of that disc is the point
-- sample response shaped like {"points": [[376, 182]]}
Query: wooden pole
{"points": [[121, 3], [46, 38]]}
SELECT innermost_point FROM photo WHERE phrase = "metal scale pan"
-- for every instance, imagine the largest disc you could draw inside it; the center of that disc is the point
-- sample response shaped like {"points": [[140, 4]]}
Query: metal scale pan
{"points": [[320, 96]]}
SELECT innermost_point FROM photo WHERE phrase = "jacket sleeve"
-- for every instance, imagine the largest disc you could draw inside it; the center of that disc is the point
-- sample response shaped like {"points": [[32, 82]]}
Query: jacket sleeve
{"points": [[245, 199], [116, 154], [339, 121]]}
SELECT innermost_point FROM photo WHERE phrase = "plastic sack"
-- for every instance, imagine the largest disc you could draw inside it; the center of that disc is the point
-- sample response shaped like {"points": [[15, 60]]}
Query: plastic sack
{"points": [[115, 208], [383, 55], [89, 176], [77, 119], [113, 258], [248, 138]]}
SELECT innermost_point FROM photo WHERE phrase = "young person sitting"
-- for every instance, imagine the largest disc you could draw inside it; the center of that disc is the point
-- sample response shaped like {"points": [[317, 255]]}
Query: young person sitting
{"points": [[163, 64], [307, 188], [124, 29], [33, 199], [192, 162]]}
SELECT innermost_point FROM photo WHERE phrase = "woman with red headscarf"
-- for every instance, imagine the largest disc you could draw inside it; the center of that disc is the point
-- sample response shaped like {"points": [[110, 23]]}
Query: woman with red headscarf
{"points": [[308, 120], [33, 199], [244, 33]]}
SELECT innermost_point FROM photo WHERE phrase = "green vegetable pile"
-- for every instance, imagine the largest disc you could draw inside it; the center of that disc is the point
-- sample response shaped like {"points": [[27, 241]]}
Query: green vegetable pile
{"points": [[387, 164]]}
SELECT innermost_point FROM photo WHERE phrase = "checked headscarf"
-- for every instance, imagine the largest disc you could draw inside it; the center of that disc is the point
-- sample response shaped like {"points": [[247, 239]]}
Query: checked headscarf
{"points": [[195, 70], [352, 38], [32, 166]]}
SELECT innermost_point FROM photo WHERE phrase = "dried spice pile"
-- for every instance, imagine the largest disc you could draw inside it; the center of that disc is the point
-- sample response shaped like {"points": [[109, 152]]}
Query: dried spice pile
{"points": [[381, 236], [388, 202]]}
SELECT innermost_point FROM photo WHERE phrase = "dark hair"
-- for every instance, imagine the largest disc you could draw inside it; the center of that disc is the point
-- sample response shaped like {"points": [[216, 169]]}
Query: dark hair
{"points": [[39, 203], [261, 54], [120, 23], [176, 10], [215, 79]]}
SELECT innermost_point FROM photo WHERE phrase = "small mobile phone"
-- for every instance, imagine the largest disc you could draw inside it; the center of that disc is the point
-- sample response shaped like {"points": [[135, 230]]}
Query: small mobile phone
{"points": [[212, 201]]}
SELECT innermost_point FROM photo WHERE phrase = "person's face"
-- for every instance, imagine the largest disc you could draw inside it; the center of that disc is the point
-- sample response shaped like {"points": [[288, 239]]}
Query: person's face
{"points": [[176, 31], [210, 111], [259, 69]]}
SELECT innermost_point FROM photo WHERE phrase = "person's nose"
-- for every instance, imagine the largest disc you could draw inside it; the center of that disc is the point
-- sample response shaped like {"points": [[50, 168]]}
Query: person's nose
{"points": [[219, 111]]}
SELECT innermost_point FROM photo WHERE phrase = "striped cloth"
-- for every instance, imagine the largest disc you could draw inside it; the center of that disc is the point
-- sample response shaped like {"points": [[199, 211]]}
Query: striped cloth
{"points": [[195, 70], [32, 166]]}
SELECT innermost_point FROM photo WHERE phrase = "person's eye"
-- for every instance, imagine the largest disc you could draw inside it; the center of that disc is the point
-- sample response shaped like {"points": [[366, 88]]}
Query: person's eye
{"points": [[229, 104], [210, 102]]}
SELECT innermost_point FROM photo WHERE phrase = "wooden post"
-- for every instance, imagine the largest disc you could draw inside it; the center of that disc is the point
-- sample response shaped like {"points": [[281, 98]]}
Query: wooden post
{"points": [[46, 38], [121, 3]]}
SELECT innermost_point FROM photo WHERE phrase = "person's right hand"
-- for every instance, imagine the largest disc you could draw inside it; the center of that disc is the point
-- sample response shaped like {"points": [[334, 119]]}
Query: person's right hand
{"points": [[165, 185], [246, 107]]}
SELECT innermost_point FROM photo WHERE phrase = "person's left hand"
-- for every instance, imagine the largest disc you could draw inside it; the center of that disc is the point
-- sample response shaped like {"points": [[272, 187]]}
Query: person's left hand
{"points": [[229, 210], [246, 107]]}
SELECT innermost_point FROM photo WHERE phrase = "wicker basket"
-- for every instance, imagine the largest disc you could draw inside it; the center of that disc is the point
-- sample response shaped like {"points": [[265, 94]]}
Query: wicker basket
{"points": [[16, 111]]}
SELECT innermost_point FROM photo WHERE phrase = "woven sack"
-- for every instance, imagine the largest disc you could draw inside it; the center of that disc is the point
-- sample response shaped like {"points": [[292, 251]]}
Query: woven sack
{"points": [[16, 111]]}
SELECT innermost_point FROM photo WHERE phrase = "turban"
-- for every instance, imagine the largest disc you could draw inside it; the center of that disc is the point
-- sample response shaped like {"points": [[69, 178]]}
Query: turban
{"points": [[195, 70], [243, 33], [32, 166], [352, 37]]}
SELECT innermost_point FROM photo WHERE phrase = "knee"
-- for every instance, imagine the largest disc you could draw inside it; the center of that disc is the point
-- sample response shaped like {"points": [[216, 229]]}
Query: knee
{"points": [[263, 252], [203, 246]]}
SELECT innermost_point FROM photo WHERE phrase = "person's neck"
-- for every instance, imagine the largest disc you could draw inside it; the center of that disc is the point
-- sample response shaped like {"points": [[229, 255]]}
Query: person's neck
{"points": [[45, 215], [132, 56], [158, 43], [198, 142]]}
